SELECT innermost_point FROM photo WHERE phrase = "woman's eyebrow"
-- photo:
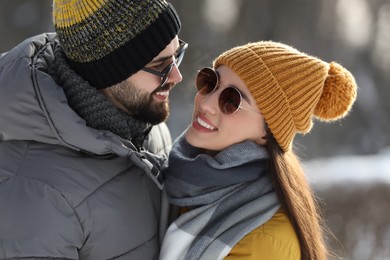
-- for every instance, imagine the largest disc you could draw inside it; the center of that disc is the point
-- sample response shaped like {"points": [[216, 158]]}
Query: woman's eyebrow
{"points": [[244, 96]]}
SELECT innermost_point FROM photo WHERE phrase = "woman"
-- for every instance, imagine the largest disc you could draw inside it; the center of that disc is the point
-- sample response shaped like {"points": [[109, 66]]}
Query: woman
{"points": [[242, 191]]}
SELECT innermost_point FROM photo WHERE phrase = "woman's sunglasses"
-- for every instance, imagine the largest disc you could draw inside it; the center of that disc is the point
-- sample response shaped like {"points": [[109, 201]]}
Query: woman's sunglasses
{"points": [[164, 74], [230, 99]]}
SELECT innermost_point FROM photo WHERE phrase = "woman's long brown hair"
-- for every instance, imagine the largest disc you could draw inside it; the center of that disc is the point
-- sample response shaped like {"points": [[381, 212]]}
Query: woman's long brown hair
{"points": [[298, 200]]}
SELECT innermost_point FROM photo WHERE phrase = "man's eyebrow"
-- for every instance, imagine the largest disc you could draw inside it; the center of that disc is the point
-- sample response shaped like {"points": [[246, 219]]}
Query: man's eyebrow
{"points": [[159, 60], [162, 59]]}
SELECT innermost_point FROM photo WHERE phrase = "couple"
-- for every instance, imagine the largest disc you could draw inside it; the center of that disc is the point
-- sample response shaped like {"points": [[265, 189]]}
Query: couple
{"points": [[83, 142]]}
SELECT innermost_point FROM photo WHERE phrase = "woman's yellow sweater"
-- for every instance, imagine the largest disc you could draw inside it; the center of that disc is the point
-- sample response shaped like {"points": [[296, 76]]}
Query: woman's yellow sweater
{"points": [[274, 240]]}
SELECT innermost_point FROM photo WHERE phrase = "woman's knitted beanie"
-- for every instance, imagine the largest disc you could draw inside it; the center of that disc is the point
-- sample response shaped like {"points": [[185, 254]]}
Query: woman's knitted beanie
{"points": [[291, 87], [106, 41]]}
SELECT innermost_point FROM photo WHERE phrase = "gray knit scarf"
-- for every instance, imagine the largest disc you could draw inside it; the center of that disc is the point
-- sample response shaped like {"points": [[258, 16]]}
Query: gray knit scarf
{"points": [[229, 195], [93, 106]]}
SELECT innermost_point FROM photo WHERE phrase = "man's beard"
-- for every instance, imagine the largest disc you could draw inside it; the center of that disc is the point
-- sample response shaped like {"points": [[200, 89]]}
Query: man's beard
{"points": [[140, 104]]}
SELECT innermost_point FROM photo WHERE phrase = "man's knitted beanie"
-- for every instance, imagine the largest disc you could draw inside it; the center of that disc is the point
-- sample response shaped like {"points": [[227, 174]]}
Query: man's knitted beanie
{"points": [[106, 41], [291, 87]]}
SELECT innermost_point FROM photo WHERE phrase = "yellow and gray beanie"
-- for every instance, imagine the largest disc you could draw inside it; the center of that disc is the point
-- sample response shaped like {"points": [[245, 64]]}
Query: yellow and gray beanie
{"points": [[291, 87], [106, 41]]}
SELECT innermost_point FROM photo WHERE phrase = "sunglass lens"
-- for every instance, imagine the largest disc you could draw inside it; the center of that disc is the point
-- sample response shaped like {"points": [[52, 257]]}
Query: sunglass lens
{"points": [[179, 58], [229, 101], [206, 80], [166, 72], [180, 54]]}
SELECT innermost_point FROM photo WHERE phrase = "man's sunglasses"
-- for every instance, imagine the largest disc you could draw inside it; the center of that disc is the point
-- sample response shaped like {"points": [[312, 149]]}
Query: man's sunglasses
{"points": [[230, 99], [164, 74]]}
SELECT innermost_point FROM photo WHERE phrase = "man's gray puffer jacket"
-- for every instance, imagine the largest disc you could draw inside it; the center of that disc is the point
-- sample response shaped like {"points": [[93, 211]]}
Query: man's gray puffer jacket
{"points": [[68, 191]]}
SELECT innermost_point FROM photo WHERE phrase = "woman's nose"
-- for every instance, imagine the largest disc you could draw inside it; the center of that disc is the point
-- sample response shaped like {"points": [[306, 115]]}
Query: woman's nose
{"points": [[209, 103]]}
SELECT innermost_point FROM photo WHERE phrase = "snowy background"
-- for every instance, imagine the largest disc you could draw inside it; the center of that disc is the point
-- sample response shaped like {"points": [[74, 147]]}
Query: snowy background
{"points": [[348, 162], [354, 192], [350, 169]]}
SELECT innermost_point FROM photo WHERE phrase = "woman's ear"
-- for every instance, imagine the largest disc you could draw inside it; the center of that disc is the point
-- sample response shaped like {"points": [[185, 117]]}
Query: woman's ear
{"points": [[263, 139]]}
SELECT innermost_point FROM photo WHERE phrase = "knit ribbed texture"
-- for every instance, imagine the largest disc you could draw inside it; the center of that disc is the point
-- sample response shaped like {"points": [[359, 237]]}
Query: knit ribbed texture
{"points": [[93, 106], [106, 41], [289, 85]]}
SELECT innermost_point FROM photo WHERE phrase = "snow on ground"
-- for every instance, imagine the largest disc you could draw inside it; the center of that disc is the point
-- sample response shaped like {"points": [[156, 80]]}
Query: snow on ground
{"points": [[368, 168]]}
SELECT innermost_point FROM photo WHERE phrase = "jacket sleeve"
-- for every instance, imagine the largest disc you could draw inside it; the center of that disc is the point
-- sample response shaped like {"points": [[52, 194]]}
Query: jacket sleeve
{"points": [[36, 221]]}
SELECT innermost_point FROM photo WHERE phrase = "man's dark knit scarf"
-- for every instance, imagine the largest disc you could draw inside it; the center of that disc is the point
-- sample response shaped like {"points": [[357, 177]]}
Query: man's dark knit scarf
{"points": [[93, 106], [229, 195]]}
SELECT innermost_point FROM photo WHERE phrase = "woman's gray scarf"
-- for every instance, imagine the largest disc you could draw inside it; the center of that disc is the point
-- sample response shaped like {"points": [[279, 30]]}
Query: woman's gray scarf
{"points": [[93, 106], [229, 195]]}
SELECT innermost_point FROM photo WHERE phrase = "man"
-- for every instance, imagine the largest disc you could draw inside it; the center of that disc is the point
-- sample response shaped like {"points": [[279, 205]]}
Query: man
{"points": [[79, 158]]}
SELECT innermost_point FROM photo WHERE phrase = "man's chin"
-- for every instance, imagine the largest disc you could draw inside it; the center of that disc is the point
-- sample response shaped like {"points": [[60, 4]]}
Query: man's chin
{"points": [[154, 118], [162, 117]]}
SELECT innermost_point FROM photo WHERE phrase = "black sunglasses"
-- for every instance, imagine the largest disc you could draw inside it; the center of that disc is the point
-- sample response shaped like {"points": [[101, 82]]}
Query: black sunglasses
{"points": [[164, 74], [230, 99]]}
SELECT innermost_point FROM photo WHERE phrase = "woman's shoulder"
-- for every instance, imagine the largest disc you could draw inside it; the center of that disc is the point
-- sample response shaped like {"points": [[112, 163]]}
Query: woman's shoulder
{"points": [[276, 239]]}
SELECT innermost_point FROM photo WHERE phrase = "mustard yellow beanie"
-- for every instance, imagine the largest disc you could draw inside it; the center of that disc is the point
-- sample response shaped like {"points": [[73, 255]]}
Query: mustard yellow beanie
{"points": [[291, 87]]}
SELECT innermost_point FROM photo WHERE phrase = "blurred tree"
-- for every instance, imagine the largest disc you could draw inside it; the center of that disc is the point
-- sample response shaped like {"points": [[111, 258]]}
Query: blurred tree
{"points": [[20, 19], [357, 214]]}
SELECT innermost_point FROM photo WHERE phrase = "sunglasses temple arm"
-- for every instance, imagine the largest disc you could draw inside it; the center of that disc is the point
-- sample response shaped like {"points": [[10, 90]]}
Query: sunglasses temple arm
{"points": [[247, 109]]}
